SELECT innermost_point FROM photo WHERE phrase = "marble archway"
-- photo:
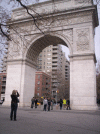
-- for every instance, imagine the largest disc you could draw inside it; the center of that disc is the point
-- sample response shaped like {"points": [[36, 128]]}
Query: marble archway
{"points": [[69, 25]]}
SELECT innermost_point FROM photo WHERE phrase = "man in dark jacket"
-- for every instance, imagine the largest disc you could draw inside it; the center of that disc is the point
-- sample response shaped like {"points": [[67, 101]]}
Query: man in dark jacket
{"points": [[49, 104], [68, 104], [61, 103], [36, 103], [32, 102]]}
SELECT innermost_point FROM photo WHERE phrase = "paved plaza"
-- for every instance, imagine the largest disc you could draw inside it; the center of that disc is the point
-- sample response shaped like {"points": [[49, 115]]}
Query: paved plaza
{"points": [[37, 121]]}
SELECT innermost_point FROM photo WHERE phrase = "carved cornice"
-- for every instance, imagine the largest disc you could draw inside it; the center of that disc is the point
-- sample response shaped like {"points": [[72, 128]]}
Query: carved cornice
{"points": [[85, 56], [72, 13], [50, 7], [22, 62]]}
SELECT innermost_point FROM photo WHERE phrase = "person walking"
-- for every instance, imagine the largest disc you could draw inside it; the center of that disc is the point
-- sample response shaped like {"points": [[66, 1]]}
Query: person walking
{"points": [[14, 104], [45, 102], [49, 104], [61, 103], [36, 103], [52, 104], [32, 102], [64, 103], [68, 104]]}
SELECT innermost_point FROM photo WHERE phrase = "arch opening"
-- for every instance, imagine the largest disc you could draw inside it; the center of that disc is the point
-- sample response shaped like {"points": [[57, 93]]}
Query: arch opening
{"points": [[37, 45], [59, 72]]}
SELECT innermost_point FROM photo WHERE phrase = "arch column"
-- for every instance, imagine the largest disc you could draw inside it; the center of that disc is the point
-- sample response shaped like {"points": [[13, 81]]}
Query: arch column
{"points": [[21, 77], [83, 82]]}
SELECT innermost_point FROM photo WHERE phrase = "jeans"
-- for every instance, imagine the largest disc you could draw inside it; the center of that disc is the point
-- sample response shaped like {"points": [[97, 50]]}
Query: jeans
{"points": [[13, 110], [45, 106], [48, 107]]}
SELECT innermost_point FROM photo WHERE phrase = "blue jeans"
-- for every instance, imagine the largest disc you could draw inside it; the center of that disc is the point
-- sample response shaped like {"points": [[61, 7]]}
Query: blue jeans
{"points": [[13, 110]]}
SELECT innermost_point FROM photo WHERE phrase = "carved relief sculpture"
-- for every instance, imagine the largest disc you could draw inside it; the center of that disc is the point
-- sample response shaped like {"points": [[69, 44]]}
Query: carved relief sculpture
{"points": [[82, 39]]}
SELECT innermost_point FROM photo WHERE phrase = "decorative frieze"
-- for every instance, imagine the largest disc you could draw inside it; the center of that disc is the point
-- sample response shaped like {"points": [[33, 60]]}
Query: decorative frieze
{"points": [[15, 47], [63, 22]]}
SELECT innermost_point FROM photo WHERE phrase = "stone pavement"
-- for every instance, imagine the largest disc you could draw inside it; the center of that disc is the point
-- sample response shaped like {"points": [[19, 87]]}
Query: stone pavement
{"points": [[37, 121]]}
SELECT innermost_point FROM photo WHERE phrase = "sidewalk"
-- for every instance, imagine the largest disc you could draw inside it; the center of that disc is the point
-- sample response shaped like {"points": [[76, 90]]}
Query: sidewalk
{"points": [[37, 121]]}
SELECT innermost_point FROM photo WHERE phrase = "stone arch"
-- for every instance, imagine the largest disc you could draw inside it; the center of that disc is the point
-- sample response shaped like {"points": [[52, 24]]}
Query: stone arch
{"points": [[64, 26], [43, 41]]}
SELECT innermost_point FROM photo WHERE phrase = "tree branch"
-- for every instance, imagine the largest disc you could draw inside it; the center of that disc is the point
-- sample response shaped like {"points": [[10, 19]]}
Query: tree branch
{"points": [[30, 15], [5, 34]]}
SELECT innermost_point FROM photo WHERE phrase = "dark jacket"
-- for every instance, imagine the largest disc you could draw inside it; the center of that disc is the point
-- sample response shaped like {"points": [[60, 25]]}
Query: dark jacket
{"points": [[14, 98], [61, 102], [36, 101], [49, 102], [68, 102]]}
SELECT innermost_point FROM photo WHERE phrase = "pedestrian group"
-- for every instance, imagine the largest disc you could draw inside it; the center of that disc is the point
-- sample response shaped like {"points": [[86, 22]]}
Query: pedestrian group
{"points": [[47, 104]]}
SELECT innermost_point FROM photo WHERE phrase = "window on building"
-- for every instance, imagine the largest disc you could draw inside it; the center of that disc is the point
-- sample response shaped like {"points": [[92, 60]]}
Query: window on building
{"points": [[48, 66], [37, 94], [38, 82], [4, 78], [48, 63], [38, 88], [48, 58], [54, 57], [38, 76], [49, 54]]}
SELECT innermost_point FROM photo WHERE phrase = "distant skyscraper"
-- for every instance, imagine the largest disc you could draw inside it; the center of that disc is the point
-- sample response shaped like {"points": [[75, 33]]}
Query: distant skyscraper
{"points": [[3, 72]]}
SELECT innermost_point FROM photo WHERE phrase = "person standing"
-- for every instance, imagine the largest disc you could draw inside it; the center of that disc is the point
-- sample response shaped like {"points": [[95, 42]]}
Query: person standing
{"points": [[64, 103], [36, 103], [14, 104], [68, 104], [61, 103], [32, 102], [49, 104], [45, 102], [52, 104]]}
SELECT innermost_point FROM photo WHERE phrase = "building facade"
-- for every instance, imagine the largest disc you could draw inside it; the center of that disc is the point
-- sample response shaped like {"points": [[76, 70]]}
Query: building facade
{"points": [[42, 84], [52, 60], [2, 85], [3, 76]]}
